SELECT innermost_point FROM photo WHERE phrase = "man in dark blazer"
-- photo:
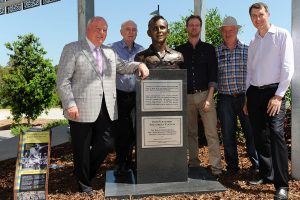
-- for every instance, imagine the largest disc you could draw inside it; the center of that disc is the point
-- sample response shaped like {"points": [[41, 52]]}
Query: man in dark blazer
{"points": [[86, 84]]}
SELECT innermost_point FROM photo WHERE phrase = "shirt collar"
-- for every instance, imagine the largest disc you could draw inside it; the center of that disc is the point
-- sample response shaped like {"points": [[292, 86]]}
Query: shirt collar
{"points": [[271, 30], [91, 45], [197, 45], [167, 49], [124, 45], [238, 45]]}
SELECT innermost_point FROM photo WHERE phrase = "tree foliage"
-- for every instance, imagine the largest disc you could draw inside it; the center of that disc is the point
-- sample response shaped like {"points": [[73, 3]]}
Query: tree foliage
{"points": [[213, 21], [29, 85], [178, 34]]}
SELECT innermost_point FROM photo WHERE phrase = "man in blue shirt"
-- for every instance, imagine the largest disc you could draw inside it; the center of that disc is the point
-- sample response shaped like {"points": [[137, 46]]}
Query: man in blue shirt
{"points": [[125, 137], [232, 71]]}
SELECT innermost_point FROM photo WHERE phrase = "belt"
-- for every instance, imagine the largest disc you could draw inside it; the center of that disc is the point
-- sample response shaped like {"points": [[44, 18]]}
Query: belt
{"points": [[263, 87], [121, 92], [196, 91], [234, 94]]}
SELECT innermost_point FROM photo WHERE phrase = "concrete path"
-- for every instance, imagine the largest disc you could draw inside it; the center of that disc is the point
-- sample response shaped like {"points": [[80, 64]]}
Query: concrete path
{"points": [[9, 143], [53, 113]]}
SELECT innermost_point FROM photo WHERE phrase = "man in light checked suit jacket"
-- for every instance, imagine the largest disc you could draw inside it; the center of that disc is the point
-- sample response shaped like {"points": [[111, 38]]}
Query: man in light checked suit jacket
{"points": [[86, 84]]}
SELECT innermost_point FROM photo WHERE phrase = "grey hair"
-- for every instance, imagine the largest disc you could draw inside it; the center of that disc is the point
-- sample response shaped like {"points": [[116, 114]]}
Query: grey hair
{"points": [[128, 21], [92, 19]]}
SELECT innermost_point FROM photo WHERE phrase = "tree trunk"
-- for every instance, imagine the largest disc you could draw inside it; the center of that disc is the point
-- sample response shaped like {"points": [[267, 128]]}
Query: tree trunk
{"points": [[28, 120]]}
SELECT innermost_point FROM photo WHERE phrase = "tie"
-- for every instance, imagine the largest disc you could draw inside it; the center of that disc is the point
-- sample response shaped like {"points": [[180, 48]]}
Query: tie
{"points": [[99, 60]]}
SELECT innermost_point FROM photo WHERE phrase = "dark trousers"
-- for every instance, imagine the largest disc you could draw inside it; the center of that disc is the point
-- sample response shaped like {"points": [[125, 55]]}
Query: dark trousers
{"points": [[125, 136], [229, 108], [91, 143], [268, 136]]}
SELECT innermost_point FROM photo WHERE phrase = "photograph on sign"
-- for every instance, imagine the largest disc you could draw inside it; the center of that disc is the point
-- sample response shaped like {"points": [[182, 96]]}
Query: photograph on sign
{"points": [[161, 95], [38, 195], [35, 156]]}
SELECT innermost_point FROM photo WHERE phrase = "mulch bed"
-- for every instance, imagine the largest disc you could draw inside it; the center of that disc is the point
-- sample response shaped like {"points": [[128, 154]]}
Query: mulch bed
{"points": [[62, 184]]}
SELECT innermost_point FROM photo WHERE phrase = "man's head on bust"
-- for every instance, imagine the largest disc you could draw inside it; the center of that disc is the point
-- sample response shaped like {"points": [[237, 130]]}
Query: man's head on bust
{"points": [[159, 55], [158, 30]]}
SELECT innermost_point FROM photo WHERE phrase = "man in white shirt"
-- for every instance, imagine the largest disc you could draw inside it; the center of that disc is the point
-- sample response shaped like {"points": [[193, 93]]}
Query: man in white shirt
{"points": [[269, 71]]}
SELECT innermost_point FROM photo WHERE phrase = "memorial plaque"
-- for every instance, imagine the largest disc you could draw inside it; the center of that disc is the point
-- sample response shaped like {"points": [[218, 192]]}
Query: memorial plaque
{"points": [[13, 8], [44, 2], [161, 95], [30, 4], [31, 178], [162, 131]]}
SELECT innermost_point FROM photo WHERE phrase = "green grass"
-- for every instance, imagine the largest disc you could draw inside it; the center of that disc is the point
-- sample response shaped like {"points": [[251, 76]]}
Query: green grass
{"points": [[55, 123]]}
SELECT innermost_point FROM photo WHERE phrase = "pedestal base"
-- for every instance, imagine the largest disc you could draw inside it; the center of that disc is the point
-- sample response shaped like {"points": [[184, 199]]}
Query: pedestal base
{"points": [[199, 181]]}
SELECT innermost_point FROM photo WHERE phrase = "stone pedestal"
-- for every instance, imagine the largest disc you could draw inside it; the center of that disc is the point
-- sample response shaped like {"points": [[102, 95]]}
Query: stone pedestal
{"points": [[161, 149], [161, 146]]}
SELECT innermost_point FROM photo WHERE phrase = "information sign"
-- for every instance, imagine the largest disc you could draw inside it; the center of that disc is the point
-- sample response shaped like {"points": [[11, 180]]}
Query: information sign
{"points": [[31, 178]]}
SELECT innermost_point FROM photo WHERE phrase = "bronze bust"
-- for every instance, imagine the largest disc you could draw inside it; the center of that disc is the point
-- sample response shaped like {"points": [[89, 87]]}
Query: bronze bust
{"points": [[159, 55]]}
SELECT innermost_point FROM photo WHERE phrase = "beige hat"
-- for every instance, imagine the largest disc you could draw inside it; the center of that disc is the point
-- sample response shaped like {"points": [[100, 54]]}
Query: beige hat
{"points": [[230, 21]]}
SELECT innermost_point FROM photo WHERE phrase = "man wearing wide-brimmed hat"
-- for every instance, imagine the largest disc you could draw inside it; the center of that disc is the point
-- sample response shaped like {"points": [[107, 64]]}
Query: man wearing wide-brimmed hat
{"points": [[232, 70]]}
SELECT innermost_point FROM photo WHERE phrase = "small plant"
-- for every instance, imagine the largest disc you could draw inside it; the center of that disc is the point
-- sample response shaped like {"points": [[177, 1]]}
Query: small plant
{"points": [[60, 122], [16, 129]]}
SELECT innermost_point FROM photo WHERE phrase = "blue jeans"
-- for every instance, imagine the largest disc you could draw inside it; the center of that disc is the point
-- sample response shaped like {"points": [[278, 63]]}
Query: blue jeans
{"points": [[229, 108]]}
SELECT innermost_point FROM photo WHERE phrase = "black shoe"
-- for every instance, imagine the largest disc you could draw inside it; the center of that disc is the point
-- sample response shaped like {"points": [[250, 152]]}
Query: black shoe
{"points": [[85, 189], [232, 172], [121, 170], [90, 193], [254, 169], [281, 193], [217, 176], [260, 181]]}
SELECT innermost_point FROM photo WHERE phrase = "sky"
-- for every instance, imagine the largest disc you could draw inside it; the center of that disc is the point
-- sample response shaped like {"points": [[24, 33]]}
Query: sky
{"points": [[56, 23]]}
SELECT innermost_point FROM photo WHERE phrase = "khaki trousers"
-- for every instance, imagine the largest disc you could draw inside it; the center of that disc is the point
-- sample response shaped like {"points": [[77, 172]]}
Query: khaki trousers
{"points": [[209, 119]]}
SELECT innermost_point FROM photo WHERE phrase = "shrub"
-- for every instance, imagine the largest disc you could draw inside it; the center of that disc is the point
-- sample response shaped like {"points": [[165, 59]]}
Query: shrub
{"points": [[16, 129], [55, 123]]}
